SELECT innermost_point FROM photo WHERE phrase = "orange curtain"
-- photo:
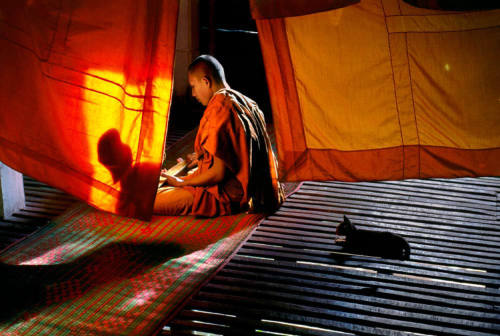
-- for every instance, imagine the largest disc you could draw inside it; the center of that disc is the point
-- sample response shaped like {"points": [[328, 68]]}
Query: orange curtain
{"points": [[382, 90], [85, 89]]}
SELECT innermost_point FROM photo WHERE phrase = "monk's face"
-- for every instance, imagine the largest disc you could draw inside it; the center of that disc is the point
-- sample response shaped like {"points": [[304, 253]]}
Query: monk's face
{"points": [[200, 87]]}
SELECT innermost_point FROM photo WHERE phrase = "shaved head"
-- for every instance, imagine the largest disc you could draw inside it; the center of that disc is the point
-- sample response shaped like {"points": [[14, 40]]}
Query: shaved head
{"points": [[208, 66], [206, 77]]}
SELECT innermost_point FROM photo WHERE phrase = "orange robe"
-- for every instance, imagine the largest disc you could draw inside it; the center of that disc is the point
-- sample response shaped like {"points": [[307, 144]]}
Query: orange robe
{"points": [[233, 129]]}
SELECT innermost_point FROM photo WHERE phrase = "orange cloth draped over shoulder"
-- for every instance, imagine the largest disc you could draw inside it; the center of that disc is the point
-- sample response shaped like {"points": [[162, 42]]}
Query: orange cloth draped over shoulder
{"points": [[85, 91], [233, 129], [381, 90]]}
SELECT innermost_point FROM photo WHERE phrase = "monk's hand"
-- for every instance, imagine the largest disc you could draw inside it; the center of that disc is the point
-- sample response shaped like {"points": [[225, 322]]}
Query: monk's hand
{"points": [[174, 181], [192, 160]]}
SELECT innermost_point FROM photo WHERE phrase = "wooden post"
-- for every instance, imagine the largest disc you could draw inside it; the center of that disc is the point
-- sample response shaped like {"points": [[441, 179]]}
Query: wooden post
{"points": [[187, 44], [11, 191], [211, 27]]}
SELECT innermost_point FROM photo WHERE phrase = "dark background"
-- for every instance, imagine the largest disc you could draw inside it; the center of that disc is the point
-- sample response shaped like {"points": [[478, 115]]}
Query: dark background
{"points": [[228, 32]]}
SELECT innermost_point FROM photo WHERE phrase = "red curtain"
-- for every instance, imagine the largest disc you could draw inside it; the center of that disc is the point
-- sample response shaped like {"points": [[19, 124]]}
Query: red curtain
{"points": [[85, 89]]}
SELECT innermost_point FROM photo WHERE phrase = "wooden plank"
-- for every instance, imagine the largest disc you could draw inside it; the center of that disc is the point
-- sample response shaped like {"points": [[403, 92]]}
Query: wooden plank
{"points": [[50, 201], [408, 194], [41, 211], [29, 214], [325, 256], [379, 217], [403, 228], [442, 186], [458, 248], [477, 239], [460, 185], [18, 226], [47, 194], [388, 308], [390, 191], [244, 326], [439, 240], [481, 183], [41, 188], [405, 206], [274, 316], [48, 206], [23, 220], [356, 276], [477, 261], [380, 266], [442, 259], [395, 205], [290, 280], [415, 188], [328, 316], [328, 214], [416, 240]]}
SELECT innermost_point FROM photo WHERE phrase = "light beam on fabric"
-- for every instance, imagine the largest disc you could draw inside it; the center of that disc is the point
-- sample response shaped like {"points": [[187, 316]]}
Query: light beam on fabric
{"points": [[53, 256], [85, 90], [142, 297]]}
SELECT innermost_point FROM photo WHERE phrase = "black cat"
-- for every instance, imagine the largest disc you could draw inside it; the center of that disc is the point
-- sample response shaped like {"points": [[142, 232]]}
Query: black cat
{"points": [[382, 244]]}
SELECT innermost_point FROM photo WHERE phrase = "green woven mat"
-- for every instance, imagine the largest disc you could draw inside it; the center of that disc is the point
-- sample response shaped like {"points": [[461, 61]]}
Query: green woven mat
{"points": [[93, 273]]}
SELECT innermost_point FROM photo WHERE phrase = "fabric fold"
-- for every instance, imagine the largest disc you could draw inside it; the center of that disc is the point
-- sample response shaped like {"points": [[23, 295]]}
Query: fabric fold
{"points": [[383, 90], [85, 90]]}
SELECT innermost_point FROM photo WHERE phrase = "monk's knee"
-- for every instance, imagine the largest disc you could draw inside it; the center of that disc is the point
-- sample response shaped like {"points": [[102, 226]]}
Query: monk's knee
{"points": [[173, 201]]}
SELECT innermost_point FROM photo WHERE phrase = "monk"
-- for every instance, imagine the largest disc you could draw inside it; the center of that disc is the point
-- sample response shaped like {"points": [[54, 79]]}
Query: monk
{"points": [[236, 168]]}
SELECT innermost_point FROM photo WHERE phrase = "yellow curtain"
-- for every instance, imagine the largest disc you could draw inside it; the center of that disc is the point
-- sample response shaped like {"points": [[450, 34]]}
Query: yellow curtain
{"points": [[383, 90]]}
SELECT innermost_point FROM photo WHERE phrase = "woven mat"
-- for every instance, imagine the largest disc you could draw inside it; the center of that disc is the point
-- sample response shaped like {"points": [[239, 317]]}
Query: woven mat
{"points": [[93, 273]]}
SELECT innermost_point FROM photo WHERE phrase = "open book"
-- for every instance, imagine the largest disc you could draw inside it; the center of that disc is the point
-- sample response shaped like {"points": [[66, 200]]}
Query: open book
{"points": [[176, 169]]}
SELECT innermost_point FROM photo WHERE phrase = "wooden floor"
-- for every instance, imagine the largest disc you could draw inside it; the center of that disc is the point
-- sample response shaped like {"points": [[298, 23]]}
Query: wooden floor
{"points": [[42, 204], [290, 278]]}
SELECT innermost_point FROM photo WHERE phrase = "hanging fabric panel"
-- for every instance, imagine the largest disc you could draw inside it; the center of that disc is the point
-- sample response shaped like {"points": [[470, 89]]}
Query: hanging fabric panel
{"points": [[85, 89], [271, 9], [382, 90]]}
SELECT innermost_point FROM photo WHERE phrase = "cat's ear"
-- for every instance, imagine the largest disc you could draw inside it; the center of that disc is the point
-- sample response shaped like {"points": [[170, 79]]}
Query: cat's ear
{"points": [[348, 227]]}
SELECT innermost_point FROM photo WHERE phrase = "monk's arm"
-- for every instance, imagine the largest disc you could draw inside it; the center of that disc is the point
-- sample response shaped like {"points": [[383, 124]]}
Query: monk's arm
{"points": [[211, 176]]}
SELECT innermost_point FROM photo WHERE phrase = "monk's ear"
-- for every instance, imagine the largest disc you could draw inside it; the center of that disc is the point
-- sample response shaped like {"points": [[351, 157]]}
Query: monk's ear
{"points": [[207, 81]]}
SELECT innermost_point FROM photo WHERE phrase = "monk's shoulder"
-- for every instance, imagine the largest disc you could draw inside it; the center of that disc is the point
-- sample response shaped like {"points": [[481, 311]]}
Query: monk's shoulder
{"points": [[220, 109]]}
